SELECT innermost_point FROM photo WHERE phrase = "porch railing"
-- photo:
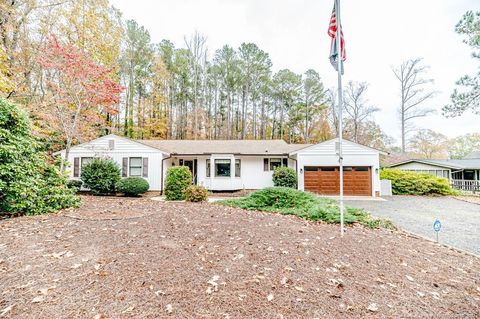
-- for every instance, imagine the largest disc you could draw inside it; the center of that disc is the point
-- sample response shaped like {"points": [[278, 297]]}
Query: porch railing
{"points": [[466, 185]]}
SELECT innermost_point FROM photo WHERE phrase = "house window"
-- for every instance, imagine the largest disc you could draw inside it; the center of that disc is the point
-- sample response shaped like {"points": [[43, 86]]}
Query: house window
{"points": [[208, 168], [238, 165], [222, 168], [135, 167], [274, 163]]}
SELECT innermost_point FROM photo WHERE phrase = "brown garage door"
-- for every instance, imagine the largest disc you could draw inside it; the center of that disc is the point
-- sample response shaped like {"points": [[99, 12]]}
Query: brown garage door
{"points": [[326, 180]]}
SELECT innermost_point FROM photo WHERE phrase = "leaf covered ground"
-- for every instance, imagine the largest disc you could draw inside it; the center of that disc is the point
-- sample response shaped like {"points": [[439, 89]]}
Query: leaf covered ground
{"points": [[139, 258]]}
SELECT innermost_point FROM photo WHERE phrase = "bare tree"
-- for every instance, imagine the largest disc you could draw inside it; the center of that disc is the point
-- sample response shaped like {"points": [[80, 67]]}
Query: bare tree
{"points": [[413, 94], [196, 46], [430, 145], [356, 106]]}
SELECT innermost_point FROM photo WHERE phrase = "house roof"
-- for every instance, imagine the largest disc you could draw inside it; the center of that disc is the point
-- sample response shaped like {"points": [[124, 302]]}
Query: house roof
{"points": [[306, 146], [452, 164], [246, 147]]}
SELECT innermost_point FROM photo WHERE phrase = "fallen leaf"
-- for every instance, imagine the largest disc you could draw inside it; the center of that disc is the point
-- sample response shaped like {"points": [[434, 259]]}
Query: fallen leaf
{"points": [[409, 278], [299, 289], [372, 307], [160, 293], [169, 308], [37, 299], [270, 297], [45, 291]]}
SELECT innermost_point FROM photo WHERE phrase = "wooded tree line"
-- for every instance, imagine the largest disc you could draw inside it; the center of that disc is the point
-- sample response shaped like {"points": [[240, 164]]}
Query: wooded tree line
{"points": [[175, 91]]}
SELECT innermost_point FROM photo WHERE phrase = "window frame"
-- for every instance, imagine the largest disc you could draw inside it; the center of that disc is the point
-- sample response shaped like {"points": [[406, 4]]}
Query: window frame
{"points": [[130, 166], [229, 167], [239, 166], [271, 168], [208, 165]]}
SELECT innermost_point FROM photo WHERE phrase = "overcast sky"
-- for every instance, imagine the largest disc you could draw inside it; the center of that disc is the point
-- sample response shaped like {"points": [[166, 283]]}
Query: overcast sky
{"points": [[379, 34]]}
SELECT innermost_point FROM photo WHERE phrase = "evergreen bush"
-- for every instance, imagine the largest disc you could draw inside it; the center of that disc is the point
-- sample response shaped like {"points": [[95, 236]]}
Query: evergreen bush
{"points": [[306, 205], [74, 184], [101, 176], [177, 180], [30, 182], [133, 186], [412, 183], [285, 177], [195, 193]]}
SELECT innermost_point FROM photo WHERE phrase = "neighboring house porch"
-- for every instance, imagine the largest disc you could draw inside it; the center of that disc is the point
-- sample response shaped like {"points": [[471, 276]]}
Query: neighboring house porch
{"points": [[464, 174]]}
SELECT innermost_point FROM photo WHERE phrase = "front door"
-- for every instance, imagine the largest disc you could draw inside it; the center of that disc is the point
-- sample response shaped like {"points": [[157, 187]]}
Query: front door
{"points": [[192, 166]]}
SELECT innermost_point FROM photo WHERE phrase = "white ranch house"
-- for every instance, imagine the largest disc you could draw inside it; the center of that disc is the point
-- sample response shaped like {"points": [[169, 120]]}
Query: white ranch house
{"points": [[229, 165]]}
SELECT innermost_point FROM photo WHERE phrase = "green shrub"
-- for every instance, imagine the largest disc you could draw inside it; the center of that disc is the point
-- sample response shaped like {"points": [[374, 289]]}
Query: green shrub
{"points": [[177, 180], [290, 201], [195, 193], [412, 183], [285, 177], [74, 184], [29, 183], [101, 176], [132, 186]]}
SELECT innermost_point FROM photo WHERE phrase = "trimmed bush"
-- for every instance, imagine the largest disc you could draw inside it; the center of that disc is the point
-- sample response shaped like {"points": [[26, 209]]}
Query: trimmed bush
{"points": [[290, 201], [195, 193], [101, 176], [74, 184], [132, 186], [411, 183], [29, 183], [285, 177], [177, 180]]}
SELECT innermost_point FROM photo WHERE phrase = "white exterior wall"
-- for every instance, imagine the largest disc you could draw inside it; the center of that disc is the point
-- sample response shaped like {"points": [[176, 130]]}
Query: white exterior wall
{"points": [[123, 148], [252, 175], [324, 154]]}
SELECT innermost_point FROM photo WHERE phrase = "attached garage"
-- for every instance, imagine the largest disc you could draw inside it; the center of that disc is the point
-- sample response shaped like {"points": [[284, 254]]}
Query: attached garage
{"points": [[318, 169], [325, 180]]}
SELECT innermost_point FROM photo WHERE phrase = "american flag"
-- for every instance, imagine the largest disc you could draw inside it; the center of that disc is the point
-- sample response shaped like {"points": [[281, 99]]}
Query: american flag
{"points": [[332, 32]]}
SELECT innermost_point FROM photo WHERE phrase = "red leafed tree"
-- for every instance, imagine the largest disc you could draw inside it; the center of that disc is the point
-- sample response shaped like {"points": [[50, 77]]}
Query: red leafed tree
{"points": [[78, 89]]}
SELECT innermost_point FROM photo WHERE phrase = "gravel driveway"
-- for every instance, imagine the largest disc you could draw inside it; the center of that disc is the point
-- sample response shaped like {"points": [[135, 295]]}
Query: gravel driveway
{"points": [[460, 220]]}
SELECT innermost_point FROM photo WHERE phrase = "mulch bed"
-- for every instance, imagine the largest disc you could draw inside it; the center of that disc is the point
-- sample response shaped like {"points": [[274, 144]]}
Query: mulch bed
{"points": [[139, 258]]}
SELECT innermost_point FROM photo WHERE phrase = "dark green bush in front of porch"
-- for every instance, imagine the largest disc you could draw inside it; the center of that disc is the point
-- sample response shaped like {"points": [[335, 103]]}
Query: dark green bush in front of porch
{"points": [[177, 180], [133, 186], [285, 177]]}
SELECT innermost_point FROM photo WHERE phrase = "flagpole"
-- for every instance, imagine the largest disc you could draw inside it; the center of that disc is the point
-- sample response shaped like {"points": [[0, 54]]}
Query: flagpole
{"points": [[340, 107]]}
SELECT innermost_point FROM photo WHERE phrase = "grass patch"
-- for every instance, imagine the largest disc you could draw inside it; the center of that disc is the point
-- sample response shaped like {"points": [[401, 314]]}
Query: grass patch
{"points": [[288, 201]]}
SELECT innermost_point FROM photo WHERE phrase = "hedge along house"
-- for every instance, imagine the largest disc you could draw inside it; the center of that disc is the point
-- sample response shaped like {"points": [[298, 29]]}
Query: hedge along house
{"points": [[229, 165], [463, 173]]}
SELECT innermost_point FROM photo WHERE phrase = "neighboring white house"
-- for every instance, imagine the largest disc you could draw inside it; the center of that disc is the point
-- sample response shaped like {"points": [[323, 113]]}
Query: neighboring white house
{"points": [[461, 169], [228, 165]]}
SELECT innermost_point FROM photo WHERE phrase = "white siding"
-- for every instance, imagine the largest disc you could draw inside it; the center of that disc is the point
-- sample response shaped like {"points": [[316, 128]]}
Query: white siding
{"points": [[416, 166], [252, 175], [324, 154], [431, 169], [122, 148]]}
